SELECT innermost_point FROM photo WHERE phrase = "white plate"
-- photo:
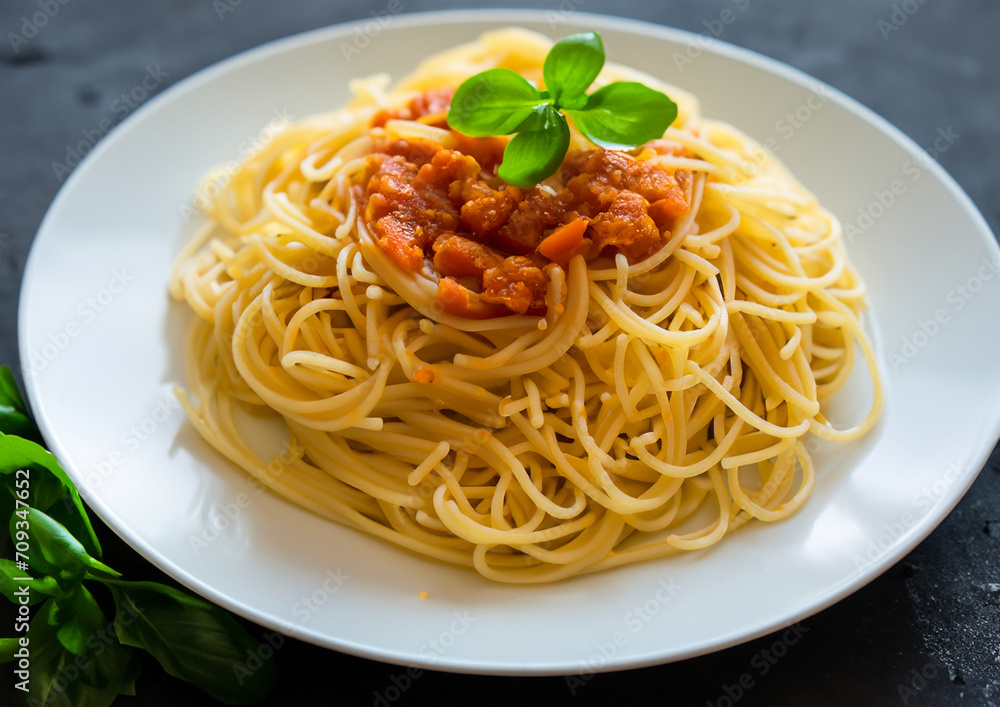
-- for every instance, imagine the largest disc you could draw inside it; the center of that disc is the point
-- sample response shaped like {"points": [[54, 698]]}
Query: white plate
{"points": [[100, 346]]}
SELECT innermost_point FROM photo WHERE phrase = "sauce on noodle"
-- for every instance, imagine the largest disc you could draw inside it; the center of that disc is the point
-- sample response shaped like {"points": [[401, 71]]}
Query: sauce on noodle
{"points": [[441, 206]]}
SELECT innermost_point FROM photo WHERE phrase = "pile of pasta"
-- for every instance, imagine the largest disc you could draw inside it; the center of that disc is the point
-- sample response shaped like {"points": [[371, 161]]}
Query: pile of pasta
{"points": [[656, 407]]}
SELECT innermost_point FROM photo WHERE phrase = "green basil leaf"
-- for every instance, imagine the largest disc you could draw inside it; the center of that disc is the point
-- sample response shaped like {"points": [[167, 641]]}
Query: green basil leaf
{"points": [[624, 114], [8, 647], [14, 418], [35, 487], [49, 660], [9, 394], [17, 453], [78, 614], [15, 587], [35, 557], [572, 65], [537, 150], [7, 506], [94, 678], [194, 640], [46, 490], [70, 512], [53, 549], [493, 102]]}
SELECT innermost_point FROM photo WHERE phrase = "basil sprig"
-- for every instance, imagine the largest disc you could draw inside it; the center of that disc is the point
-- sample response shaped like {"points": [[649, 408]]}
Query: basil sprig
{"points": [[79, 657], [620, 115]]}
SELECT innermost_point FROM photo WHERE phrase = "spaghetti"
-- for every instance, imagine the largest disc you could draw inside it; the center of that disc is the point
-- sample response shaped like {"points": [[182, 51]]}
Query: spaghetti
{"points": [[633, 405]]}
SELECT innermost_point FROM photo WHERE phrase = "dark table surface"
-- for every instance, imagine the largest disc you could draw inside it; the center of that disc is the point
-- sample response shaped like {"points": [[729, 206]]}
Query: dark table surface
{"points": [[927, 632]]}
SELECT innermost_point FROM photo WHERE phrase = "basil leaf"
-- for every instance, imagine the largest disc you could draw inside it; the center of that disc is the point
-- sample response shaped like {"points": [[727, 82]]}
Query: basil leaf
{"points": [[77, 614], [537, 150], [194, 640], [17, 453], [8, 647], [13, 584], [624, 114], [70, 512], [572, 65], [493, 102], [7, 506], [53, 549], [35, 557], [93, 679], [35, 487], [14, 418], [9, 394]]}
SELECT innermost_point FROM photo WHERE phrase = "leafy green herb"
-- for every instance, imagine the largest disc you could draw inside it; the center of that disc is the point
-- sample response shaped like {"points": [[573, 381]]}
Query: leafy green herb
{"points": [[572, 65], [78, 656], [8, 647], [620, 115], [14, 418], [60, 677], [12, 580], [538, 148], [25, 464], [494, 102], [78, 614], [193, 640], [604, 122], [52, 549]]}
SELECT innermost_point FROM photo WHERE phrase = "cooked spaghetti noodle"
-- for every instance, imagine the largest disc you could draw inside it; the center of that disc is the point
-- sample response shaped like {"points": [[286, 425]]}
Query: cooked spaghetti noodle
{"points": [[636, 405]]}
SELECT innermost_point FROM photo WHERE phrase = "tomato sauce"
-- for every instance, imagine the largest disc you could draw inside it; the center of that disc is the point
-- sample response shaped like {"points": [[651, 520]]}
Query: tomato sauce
{"points": [[492, 243]]}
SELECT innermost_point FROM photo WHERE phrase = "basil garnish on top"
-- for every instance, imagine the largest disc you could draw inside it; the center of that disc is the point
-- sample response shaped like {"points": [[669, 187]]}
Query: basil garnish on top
{"points": [[620, 115]]}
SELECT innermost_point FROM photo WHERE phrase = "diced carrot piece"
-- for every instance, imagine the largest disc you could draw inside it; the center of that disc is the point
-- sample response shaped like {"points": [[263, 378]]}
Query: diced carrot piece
{"points": [[424, 374], [398, 241], [664, 211], [517, 283], [456, 256], [463, 302], [564, 242]]}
